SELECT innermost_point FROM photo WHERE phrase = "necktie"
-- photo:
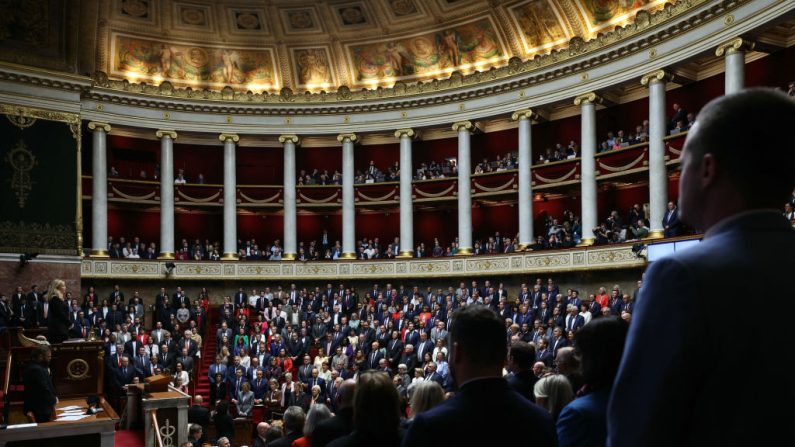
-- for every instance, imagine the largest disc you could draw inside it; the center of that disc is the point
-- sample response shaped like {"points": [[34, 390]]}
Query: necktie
{"points": [[119, 360], [84, 332]]}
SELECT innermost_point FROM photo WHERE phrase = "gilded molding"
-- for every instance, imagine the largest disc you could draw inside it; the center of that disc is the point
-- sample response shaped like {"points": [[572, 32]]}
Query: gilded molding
{"points": [[166, 133], [95, 125], [734, 45], [229, 137], [407, 132], [289, 137], [34, 112], [343, 137], [465, 125], [656, 76], [524, 114], [587, 98], [590, 258]]}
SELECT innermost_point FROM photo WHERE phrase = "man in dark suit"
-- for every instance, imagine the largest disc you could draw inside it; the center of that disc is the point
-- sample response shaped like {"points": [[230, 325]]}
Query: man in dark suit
{"points": [[574, 320], [186, 360], [167, 358], [671, 390], [394, 348], [39, 394], [341, 424], [671, 223], [680, 114], [241, 299], [477, 353], [423, 346], [197, 414], [123, 375], [374, 356], [520, 362], [409, 358]]}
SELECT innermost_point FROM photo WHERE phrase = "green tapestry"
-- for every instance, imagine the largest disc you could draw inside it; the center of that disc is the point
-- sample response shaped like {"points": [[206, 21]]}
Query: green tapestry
{"points": [[38, 181]]}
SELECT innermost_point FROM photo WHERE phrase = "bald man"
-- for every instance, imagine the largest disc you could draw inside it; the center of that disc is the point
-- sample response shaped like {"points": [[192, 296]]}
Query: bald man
{"points": [[262, 430], [342, 423]]}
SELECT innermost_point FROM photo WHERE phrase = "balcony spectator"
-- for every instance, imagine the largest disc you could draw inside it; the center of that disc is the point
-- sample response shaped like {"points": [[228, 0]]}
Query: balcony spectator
{"points": [[180, 179], [680, 114]]}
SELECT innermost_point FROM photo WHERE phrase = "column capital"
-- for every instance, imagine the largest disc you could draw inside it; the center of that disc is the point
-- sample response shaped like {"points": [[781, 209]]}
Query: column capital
{"points": [[292, 138], [656, 76], [96, 125], [524, 114], [343, 137], [587, 98], [405, 132], [229, 136], [466, 125], [166, 133], [734, 45]]}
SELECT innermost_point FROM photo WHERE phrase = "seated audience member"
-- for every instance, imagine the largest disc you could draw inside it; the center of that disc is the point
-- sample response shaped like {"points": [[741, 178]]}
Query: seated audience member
{"points": [[376, 413], [599, 345], [317, 414], [552, 393], [477, 352]]}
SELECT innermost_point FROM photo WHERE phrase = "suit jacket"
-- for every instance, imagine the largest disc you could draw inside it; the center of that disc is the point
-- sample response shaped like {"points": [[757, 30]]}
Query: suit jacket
{"points": [[671, 219], [523, 383], [123, 376], [199, 415], [58, 321], [421, 348], [653, 402], [526, 424], [39, 391], [286, 441], [373, 358], [341, 424], [584, 420], [574, 323]]}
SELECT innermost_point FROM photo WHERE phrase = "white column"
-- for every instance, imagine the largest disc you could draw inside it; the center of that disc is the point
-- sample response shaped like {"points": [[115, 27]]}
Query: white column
{"points": [[167, 138], [348, 204], [464, 129], [525, 178], [290, 223], [734, 52], [230, 197], [658, 173], [406, 206], [588, 165], [99, 192]]}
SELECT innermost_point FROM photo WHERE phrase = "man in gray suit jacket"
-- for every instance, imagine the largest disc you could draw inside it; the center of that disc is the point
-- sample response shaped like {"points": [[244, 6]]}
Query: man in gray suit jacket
{"points": [[680, 381]]}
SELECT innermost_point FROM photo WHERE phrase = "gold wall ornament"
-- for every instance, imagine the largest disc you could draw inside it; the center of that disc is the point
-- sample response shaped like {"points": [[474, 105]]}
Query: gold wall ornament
{"points": [[23, 122], [77, 369], [22, 162]]}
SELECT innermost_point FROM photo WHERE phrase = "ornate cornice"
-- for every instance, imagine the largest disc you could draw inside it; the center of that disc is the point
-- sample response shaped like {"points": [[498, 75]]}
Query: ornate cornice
{"points": [[349, 137], [591, 258], [656, 76], [166, 133], [514, 75], [229, 137], [289, 137], [95, 125], [405, 132], [734, 45]]}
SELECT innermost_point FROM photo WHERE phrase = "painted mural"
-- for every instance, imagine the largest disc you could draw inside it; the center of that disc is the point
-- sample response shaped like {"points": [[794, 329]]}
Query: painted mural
{"points": [[540, 25], [312, 67], [427, 54], [193, 64]]}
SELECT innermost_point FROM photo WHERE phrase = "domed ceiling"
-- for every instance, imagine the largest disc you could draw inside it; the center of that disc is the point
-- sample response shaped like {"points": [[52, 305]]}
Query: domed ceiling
{"points": [[263, 46]]}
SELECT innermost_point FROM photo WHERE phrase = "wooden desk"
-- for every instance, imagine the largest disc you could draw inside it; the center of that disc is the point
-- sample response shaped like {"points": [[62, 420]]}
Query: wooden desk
{"points": [[95, 430]]}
